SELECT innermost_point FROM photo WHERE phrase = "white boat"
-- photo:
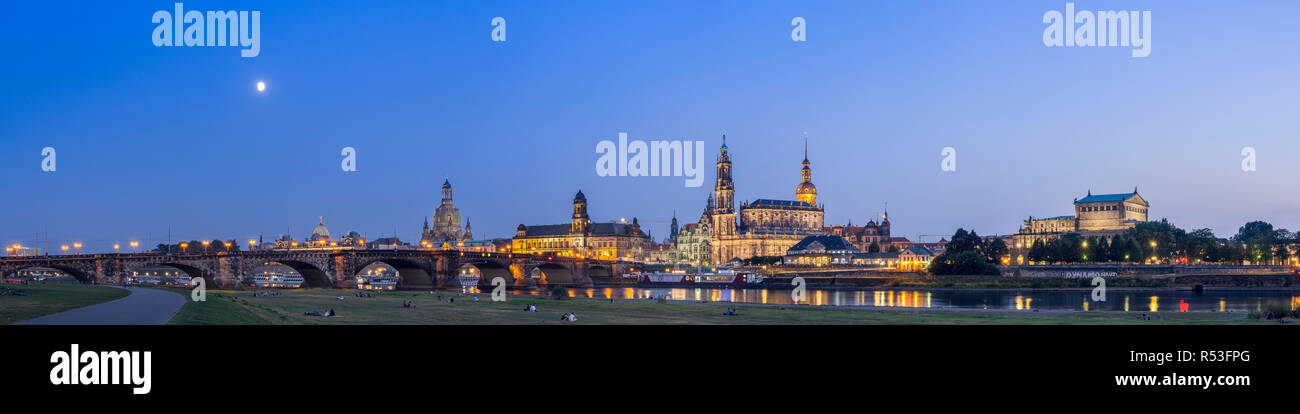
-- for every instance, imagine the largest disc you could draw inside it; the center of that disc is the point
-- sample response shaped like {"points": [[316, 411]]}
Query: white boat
{"points": [[377, 282], [277, 280], [723, 277]]}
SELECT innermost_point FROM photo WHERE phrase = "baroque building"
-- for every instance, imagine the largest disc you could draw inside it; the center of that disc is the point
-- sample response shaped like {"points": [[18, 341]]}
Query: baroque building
{"points": [[582, 238], [1102, 215], [693, 239], [446, 221], [763, 227], [873, 237]]}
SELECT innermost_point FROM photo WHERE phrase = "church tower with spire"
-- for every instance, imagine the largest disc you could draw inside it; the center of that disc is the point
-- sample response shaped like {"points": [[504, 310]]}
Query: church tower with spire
{"points": [[806, 191], [724, 195]]}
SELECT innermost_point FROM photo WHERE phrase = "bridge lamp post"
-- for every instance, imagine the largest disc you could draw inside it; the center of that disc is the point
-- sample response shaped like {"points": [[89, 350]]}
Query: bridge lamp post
{"points": [[228, 244], [184, 246], [251, 244], [134, 244], [116, 247], [65, 248], [205, 246], [77, 246]]}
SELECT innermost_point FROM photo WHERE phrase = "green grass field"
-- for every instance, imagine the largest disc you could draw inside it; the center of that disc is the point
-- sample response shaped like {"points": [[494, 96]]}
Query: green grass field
{"points": [[240, 307], [53, 297]]}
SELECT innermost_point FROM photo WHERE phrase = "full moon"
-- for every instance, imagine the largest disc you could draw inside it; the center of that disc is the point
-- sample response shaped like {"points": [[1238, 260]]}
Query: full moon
{"points": [[261, 86]]}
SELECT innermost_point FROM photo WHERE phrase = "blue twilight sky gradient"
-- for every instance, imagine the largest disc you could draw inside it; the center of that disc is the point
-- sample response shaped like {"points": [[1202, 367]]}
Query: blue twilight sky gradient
{"points": [[149, 137]]}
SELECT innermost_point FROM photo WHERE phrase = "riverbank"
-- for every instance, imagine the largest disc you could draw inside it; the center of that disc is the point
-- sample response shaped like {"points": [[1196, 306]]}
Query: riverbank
{"points": [[1264, 281], [290, 306], [52, 297]]}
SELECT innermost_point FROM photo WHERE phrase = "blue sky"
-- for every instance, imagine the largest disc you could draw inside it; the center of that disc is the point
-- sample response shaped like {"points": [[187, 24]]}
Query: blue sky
{"points": [[149, 137]]}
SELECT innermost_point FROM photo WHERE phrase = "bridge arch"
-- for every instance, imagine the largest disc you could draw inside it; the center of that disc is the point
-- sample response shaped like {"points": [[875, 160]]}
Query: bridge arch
{"points": [[601, 272], [190, 270], [312, 276], [489, 270], [79, 274], [552, 274], [410, 274]]}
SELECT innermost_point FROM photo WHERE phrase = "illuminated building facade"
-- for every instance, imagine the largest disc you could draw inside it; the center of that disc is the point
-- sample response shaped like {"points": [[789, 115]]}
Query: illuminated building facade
{"points": [[863, 237], [763, 227], [446, 222], [694, 240], [1103, 215], [582, 238]]}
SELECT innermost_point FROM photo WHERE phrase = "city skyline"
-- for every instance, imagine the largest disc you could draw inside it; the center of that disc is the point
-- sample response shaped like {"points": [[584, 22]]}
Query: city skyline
{"points": [[151, 137]]}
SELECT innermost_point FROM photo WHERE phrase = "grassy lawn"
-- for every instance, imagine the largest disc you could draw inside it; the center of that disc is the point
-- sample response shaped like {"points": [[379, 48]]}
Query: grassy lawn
{"points": [[53, 297], [240, 307]]}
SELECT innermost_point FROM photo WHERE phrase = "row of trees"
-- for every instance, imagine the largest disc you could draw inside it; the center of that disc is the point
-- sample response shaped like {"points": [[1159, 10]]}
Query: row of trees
{"points": [[1255, 242], [196, 246]]}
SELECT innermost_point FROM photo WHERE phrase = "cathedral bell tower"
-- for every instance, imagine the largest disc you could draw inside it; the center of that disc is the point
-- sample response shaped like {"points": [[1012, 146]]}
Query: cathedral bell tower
{"points": [[724, 192]]}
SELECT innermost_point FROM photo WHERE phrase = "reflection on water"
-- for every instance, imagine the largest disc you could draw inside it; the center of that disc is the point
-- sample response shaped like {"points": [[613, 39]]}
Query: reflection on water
{"points": [[1156, 300]]}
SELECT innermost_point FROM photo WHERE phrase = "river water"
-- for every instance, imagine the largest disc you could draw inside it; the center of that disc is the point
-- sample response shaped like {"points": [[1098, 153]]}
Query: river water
{"points": [[1130, 300]]}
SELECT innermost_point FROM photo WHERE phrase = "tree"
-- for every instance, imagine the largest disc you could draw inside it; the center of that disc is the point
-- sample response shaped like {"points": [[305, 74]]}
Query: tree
{"points": [[996, 250], [1258, 238], [964, 241], [963, 263], [1038, 252], [1099, 249], [873, 248], [1200, 245], [965, 255]]}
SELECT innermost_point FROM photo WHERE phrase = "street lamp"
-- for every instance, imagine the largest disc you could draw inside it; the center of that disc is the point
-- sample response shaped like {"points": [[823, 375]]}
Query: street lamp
{"points": [[134, 244], [205, 246], [228, 244], [184, 246], [65, 248], [77, 246], [116, 247]]}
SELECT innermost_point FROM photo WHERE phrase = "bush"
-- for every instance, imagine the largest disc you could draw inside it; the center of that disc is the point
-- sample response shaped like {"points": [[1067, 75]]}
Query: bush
{"points": [[963, 263], [559, 292], [1278, 309]]}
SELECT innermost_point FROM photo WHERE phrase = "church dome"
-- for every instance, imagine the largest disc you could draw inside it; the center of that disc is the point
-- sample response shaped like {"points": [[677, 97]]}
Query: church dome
{"points": [[579, 196], [320, 231], [805, 188]]}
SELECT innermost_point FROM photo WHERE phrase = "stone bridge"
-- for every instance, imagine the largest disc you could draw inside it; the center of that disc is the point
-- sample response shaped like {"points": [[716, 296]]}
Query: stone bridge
{"points": [[417, 269]]}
